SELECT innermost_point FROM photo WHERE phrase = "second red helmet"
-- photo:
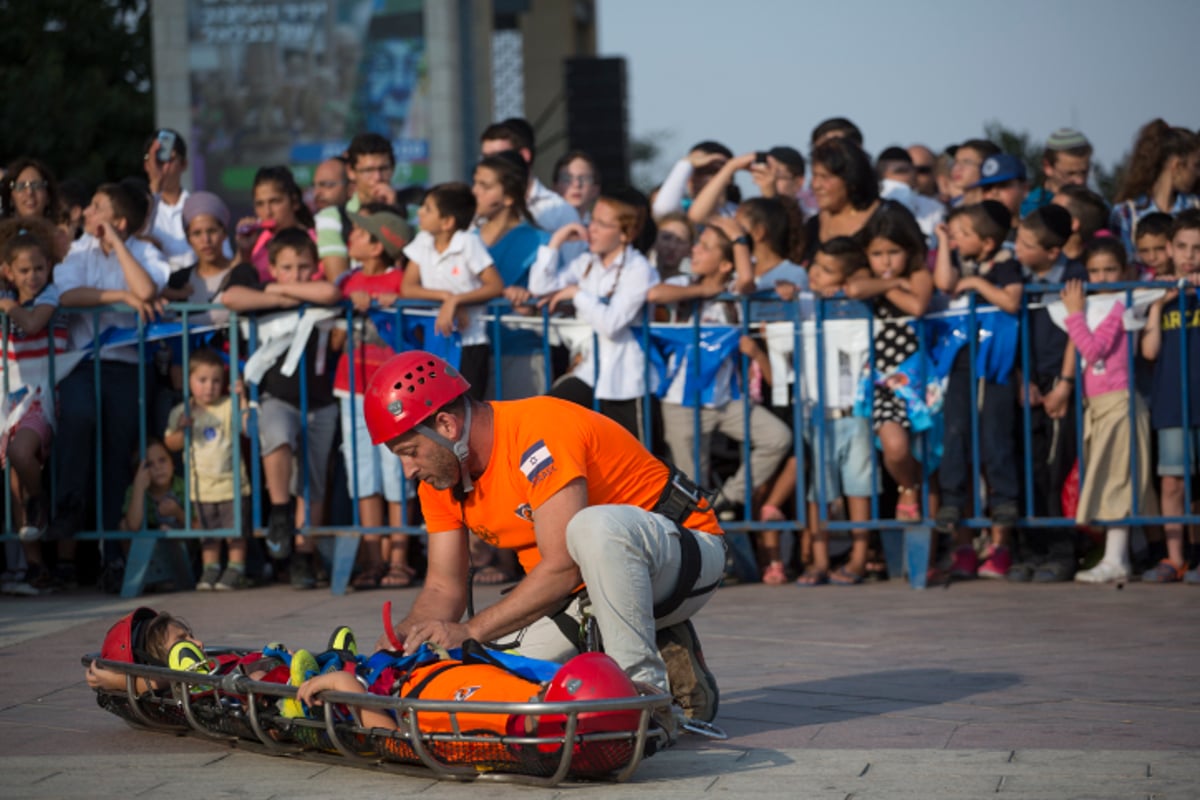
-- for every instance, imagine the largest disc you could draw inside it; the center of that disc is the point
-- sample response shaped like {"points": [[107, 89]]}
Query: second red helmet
{"points": [[406, 390]]}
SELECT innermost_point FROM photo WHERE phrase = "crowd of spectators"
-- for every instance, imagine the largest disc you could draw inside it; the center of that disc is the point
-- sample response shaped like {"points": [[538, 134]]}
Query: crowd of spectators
{"points": [[964, 239]]}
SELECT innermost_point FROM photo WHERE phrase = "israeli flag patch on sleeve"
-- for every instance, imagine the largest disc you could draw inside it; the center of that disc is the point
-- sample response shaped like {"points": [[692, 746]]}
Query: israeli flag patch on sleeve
{"points": [[536, 460]]}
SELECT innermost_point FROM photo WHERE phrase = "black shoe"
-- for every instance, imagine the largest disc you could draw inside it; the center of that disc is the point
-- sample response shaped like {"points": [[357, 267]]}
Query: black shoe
{"points": [[1021, 572], [68, 521], [280, 532], [947, 519], [1054, 570]]}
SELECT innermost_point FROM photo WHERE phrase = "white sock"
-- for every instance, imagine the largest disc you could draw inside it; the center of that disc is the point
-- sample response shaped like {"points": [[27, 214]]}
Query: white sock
{"points": [[1116, 547]]}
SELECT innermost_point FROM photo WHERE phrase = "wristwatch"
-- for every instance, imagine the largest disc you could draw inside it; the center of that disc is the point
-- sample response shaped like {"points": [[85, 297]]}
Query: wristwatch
{"points": [[743, 239]]}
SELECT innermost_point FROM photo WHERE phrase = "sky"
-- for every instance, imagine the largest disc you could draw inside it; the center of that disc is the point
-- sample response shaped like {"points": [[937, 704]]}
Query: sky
{"points": [[758, 73]]}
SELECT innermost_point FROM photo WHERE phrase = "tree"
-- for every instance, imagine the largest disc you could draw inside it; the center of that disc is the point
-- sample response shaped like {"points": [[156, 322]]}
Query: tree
{"points": [[75, 78]]}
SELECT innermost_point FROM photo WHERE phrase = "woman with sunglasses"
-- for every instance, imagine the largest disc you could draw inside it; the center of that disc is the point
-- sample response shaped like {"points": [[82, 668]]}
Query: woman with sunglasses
{"points": [[29, 190]]}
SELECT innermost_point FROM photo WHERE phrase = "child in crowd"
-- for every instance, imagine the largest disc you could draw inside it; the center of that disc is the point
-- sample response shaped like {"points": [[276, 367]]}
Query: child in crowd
{"points": [[607, 287], [1047, 555], [28, 300], [142, 637], [208, 414], [1162, 343], [846, 459], [673, 243], [450, 264], [719, 410], [155, 498], [768, 240], [1108, 487], [976, 234], [278, 205], [1089, 218], [373, 474], [1151, 238], [900, 286], [293, 264]]}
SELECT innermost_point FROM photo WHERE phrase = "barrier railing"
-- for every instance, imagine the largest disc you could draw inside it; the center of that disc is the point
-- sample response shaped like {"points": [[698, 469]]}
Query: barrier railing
{"points": [[797, 332]]}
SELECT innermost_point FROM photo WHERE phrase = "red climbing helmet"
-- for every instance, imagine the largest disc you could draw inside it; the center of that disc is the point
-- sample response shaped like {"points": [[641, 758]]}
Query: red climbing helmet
{"points": [[406, 390], [126, 640], [589, 676]]}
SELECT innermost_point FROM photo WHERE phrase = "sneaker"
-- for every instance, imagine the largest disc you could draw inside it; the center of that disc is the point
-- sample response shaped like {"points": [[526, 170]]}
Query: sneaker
{"points": [[186, 656], [33, 528], [231, 580], [1164, 572], [947, 518], [1055, 570], [965, 564], [343, 639], [301, 572], [280, 532], [1006, 514], [693, 686], [304, 666], [35, 580], [996, 565], [208, 578], [1104, 572]]}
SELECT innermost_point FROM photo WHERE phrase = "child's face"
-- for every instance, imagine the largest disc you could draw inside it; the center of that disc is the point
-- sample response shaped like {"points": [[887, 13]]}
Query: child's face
{"points": [[1068, 170], [177, 633], [293, 266], [158, 462], [361, 245], [707, 257], [1031, 253], [965, 171], [207, 383], [207, 237], [672, 243], [489, 195], [429, 218], [964, 239], [99, 212], [28, 272], [577, 183], [825, 274], [1185, 251], [604, 231], [887, 259], [1104, 268], [1152, 251], [272, 204]]}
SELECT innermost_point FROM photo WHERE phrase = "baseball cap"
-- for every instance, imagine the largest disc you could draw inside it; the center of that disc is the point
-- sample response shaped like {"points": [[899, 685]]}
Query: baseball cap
{"points": [[1000, 168], [390, 229]]}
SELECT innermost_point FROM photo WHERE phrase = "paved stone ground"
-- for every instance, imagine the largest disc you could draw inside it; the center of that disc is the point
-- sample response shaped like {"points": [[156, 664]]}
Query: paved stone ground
{"points": [[978, 690]]}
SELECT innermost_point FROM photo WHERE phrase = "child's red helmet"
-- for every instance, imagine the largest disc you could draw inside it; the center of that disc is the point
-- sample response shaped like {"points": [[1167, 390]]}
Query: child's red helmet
{"points": [[406, 390], [126, 640], [589, 676]]}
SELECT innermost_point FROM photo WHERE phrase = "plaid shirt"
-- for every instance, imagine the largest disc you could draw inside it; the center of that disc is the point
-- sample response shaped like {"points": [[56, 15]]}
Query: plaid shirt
{"points": [[1125, 216]]}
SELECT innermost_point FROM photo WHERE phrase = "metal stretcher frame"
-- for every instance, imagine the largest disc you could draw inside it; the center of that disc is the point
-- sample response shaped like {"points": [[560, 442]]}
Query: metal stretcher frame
{"points": [[229, 708]]}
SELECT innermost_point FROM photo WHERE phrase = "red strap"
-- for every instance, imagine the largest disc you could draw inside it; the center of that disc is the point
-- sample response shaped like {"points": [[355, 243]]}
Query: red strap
{"points": [[397, 642]]}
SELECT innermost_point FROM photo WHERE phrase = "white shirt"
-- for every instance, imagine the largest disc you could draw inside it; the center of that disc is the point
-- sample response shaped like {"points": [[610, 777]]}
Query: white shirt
{"points": [[456, 270], [927, 211], [167, 228], [549, 210], [712, 312], [610, 299], [86, 265]]}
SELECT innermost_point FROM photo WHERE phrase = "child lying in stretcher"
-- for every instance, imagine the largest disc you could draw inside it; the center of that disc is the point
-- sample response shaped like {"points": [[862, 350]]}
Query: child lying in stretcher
{"points": [[475, 674]]}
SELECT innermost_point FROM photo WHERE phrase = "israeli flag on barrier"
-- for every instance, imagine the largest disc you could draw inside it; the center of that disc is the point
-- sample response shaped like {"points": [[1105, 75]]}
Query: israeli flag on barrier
{"points": [[673, 347]]}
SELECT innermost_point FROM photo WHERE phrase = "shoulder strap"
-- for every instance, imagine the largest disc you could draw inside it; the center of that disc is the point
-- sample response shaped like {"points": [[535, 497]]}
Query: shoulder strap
{"points": [[347, 223]]}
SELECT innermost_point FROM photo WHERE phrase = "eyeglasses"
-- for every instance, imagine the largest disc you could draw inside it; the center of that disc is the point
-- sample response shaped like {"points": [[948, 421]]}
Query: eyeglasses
{"points": [[382, 169], [924, 169], [329, 184], [578, 180], [30, 186]]}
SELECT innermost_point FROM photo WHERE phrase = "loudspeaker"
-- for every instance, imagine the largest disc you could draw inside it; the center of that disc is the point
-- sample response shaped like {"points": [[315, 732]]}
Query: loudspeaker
{"points": [[598, 115]]}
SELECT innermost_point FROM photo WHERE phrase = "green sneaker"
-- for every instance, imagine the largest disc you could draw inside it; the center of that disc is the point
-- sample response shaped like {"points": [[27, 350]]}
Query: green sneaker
{"points": [[304, 666], [343, 639]]}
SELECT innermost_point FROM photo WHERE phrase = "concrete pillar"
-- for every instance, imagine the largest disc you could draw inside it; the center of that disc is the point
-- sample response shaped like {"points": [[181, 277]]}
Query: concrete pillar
{"points": [[171, 75]]}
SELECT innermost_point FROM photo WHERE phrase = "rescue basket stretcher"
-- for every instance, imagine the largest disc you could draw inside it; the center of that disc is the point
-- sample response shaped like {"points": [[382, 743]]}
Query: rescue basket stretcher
{"points": [[240, 711]]}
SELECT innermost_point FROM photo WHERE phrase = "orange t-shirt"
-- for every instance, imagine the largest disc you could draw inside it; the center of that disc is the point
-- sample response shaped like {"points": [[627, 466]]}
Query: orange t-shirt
{"points": [[539, 445]]}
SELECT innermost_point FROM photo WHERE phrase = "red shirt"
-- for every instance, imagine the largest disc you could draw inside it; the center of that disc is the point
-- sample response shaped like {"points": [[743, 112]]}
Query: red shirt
{"points": [[367, 358]]}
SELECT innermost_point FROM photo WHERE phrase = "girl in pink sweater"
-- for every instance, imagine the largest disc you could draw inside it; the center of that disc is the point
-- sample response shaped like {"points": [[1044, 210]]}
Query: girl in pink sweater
{"points": [[1103, 344]]}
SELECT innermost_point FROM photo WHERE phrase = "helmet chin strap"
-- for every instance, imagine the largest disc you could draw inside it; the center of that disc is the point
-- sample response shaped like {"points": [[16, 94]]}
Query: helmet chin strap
{"points": [[459, 448]]}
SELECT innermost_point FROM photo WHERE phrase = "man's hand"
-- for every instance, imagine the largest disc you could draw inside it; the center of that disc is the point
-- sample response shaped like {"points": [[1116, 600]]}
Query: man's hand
{"points": [[443, 634]]}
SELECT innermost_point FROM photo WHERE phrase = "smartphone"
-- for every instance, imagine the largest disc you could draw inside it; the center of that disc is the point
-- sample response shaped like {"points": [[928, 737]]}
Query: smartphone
{"points": [[166, 145], [760, 157]]}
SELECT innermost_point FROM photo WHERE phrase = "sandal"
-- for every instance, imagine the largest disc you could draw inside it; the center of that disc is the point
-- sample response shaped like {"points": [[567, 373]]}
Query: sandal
{"points": [[813, 577], [844, 577], [368, 579], [491, 575], [910, 511], [774, 575], [1164, 572], [398, 577]]}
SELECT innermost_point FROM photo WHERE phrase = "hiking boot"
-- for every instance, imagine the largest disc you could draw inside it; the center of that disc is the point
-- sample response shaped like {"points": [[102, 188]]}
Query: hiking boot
{"points": [[280, 532], [208, 578], [231, 580], [996, 565], [966, 563], [692, 685], [301, 572]]}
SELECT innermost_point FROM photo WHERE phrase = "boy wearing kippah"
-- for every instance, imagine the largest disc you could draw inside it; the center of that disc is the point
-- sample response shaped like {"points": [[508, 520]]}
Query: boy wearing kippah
{"points": [[1066, 161]]}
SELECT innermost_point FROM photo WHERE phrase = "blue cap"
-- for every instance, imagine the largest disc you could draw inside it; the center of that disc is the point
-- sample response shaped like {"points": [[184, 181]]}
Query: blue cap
{"points": [[1000, 168]]}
